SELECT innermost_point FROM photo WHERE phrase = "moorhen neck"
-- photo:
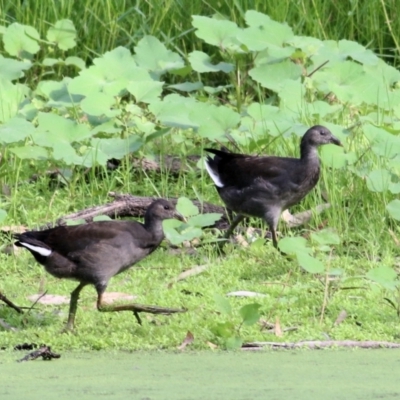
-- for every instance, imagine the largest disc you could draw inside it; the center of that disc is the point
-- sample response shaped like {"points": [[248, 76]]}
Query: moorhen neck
{"points": [[93, 253], [265, 186]]}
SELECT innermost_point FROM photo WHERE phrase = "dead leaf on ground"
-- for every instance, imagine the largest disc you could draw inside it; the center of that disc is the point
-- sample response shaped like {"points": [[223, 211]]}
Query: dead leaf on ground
{"points": [[294, 220], [188, 273], [212, 346], [278, 329], [341, 317], [188, 340], [48, 299]]}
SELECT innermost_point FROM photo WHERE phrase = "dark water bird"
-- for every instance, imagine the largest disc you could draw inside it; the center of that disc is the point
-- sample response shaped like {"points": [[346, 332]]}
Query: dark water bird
{"points": [[265, 186], [93, 253]]}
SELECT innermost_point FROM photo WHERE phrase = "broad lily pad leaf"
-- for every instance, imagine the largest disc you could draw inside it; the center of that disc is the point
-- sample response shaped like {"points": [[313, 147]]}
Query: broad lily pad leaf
{"points": [[263, 32], [186, 207], [293, 245], [187, 86], [378, 180], [30, 152], [21, 41], [116, 147], [63, 33], [214, 121], [50, 62], [145, 91], [173, 110], [384, 275], [11, 97], [58, 93], [12, 69], [110, 74], [219, 33], [203, 220], [153, 56], [310, 264], [99, 104], [15, 129], [201, 62], [382, 142], [335, 157], [394, 209], [272, 76], [76, 61]]}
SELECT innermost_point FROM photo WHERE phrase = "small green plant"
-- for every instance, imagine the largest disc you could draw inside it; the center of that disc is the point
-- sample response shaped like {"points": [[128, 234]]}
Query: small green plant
{"points": [[228, 332]]}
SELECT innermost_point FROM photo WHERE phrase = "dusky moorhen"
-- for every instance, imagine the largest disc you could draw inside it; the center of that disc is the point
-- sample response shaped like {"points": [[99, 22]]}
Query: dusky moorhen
{"points": [[93, 253], [265, 186]]}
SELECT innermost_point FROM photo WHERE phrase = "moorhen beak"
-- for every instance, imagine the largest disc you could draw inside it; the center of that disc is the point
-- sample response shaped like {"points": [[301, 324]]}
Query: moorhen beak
{"points": [[265, 186], [93, 253]]}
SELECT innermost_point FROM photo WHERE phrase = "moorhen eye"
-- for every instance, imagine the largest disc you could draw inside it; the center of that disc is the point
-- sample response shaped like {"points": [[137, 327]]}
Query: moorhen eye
{"points": [[93, 253], [265, 186]]}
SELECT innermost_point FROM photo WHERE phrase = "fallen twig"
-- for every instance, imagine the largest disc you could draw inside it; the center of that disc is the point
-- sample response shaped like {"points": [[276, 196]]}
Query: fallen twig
{"points": [[10, 303], [319, 344], [44, 352]]}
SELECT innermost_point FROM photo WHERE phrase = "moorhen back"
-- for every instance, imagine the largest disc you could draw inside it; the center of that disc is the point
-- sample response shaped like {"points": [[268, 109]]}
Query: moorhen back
{"points": [[95, 252], [265, 186]]}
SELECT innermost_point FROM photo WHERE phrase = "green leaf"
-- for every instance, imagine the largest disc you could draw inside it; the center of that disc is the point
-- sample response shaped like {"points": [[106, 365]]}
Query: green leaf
{"points": [[326, 237], [177, 232], [63, 33], [186, 207], [13, 69], [273, 76], [219, 33], [187, 86], [223, 330], [378, 180], [58, 94], [263, 32], [393, 209], [145, 91], [202, 220], [293, 245], [99, 104], [21, 41], [383, 275], [222, 304], [30, 152], [201, 62], [233, 343], [102, 218], [116, 147], [75, 61], [3, 215], [153, 56], [11, 97], [250, 314], [310, 264], [15, 129]]}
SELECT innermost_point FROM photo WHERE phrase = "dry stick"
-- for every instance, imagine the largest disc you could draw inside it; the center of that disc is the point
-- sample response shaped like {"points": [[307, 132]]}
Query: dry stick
{"points": [[10, 303], [320, 344], [126, 205]]}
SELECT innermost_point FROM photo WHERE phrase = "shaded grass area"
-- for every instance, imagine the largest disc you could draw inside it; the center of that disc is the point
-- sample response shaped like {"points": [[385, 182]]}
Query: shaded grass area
{"points": [[294, 375]]}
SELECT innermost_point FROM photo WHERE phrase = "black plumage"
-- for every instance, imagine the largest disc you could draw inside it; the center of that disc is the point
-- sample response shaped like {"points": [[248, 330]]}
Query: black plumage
{"points": [[93, 253], [265, 186]]}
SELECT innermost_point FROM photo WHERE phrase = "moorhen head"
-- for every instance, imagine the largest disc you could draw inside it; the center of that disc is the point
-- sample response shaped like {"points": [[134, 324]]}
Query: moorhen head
{"points": [[265, 186], [95, 252]]}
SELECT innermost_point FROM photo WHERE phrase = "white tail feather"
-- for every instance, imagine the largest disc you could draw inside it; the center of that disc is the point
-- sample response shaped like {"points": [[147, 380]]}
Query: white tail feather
{"points": [[214, 176], [41, 250]]}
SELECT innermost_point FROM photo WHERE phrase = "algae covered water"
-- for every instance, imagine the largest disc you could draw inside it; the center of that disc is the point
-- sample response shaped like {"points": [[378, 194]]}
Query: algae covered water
{"points": [[332, 374]]}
